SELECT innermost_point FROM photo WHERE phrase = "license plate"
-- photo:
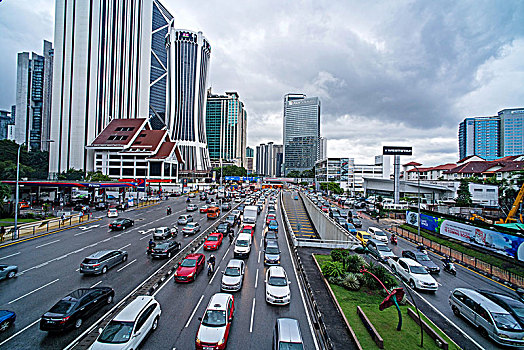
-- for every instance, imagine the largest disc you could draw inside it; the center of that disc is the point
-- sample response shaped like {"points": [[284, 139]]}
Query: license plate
{"points": [[209, 348]]}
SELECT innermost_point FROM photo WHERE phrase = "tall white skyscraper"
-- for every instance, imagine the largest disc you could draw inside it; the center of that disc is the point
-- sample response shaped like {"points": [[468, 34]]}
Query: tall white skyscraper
{"points": [[188, 61], [102, 71]]}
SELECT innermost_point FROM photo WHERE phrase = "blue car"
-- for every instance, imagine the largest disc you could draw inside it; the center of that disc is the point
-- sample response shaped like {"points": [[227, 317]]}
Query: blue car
{"points": [[273, 225], [351, 228], [296, 198], [7, 318]]}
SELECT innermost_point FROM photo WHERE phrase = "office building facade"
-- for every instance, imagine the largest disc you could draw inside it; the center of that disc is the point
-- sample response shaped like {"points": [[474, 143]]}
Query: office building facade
{"points": [[269, 159], [480, 136], [226, 129], [322, 148], [102, 71], [6, 120], [34, 75], [301, 132], [512, 131], [188, 61]]}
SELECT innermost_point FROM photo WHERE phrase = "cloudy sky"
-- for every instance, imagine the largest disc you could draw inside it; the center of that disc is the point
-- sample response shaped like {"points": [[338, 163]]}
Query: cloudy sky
{"points": [[387, 72]]}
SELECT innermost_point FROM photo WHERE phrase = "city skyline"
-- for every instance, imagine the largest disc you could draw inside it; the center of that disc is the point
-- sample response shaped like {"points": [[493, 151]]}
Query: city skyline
{"points": [[379, 83]]}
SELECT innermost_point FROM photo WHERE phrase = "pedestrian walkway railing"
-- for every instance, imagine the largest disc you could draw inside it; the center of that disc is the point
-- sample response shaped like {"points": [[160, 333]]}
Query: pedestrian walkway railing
{"points": [[320, 333], [483, 267]]}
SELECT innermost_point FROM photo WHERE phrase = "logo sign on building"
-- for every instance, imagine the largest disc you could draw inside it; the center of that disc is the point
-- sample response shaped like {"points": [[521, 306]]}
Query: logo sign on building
{"points": [[397, 151], [240, 178]]}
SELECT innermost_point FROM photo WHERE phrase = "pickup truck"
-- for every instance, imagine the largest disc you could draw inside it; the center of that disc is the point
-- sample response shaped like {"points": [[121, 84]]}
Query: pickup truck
{"points": [[413, 273]]}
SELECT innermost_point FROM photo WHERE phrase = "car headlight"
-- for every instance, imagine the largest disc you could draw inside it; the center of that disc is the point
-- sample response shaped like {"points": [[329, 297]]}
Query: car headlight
{"points": [[220, 342], [503, 336], [197, 341]]}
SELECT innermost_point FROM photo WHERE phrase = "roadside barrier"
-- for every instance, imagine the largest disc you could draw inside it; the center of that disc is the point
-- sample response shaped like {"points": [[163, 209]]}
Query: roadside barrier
{"points": [[483, 267], [318, 323]]}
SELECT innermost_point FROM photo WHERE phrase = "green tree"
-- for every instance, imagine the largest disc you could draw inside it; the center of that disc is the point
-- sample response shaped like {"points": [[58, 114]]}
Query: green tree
{"points": [[308, 174], [230, 170], [463, 194], [71, 174], [331, 186], [293, 173], [33, 165], [333, 269], [97, 176]]}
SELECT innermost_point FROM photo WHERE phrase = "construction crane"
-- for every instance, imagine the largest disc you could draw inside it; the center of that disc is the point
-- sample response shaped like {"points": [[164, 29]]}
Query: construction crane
{"points": [[513, 212]]}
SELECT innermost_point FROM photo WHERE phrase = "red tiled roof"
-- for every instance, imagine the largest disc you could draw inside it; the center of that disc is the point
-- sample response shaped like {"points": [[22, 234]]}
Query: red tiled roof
{"points": [[444, 166], [412, 163], [165, 150], [468, 157], [478, 167], [419, 169], [119, 132], [507, 158], [149, 140]]}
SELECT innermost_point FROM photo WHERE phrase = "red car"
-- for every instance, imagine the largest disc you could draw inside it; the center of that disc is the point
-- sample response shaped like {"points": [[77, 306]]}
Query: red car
{"points": [[248, 229], [213, 241], [204, 208], [270, 217], [215, 324], [190, 267], [325, 209]]}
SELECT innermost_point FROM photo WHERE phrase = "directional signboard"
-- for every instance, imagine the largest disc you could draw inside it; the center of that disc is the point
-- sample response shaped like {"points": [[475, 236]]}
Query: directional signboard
{"points": [[397, 151]]}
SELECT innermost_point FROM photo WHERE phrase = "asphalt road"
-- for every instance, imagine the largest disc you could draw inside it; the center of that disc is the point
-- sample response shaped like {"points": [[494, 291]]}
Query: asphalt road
{"points": [[254, 320], [436, 306], [48, 270]]}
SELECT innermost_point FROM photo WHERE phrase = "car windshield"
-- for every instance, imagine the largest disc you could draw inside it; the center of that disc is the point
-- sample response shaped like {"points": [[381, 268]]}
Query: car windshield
{"points": [[159, 231], [420, 270], [214, 318], [222, 226], [191, 225], [116, 332], [365, 236], [162, 245], [383, 248], [232, 271], [242, 243], [273, 222], [212, 238], [121, 221], [272, 250], [351, 227], [230, 218], [188, 263], [271, 235], [506, 322], [182, 218], [380, 233], [246, 230], [290, 346], [62, 307], [422, 257], [277, 281]]}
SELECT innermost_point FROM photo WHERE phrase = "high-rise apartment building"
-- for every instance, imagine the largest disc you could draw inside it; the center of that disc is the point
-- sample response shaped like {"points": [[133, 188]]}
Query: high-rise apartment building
{"points": [[6, 119], [269, 159], [250, 160], [226, 129], [512, 131], [34, 75], [102, 71], [322, 148], [301, 132], [480, 136], [188, 61]]}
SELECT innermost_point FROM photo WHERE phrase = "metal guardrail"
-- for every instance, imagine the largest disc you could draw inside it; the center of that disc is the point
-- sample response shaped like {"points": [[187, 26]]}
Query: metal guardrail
{"points": [[320, 328], [148, 287]]}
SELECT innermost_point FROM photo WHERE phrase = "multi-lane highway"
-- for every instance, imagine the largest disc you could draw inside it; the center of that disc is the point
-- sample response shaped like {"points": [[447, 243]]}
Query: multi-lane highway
{"points": [[49, 270]]}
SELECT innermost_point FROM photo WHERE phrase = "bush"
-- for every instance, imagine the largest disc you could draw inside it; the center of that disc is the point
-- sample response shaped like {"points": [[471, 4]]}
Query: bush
{"points": [[351, 281], [382, 274], [339, 254], [336, 280], [333, 269], [354, 263]]}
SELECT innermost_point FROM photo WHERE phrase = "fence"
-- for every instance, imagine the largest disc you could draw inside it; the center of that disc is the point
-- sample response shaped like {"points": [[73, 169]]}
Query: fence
{"points": [[465, 259]]}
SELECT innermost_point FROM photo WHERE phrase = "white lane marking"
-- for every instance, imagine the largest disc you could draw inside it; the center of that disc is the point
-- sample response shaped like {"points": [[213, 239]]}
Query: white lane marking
{"points": [[20, 331], [252, 317], [127, 245], [123, 267], [96, 284], [256, 279], [42, 245], [92, 245], [118, 235], [142, 232], [203, 218], [79, 233], [216, 271], [259, 252], [84, 228], [35, 290], [8, 256], [144, 238], [107, 239], [227, 251], [261, 241], [447, 319], [194, 311], [77, 270]]}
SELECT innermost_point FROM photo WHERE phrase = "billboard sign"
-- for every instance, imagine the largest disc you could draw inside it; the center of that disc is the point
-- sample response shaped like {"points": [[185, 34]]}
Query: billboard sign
{"points": [[499, 242], [397, 151]]}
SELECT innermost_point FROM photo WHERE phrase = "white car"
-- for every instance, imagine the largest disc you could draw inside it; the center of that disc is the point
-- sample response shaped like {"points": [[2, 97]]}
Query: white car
{"points": [[215, 325], [162, 233], [414, 273], [378, 234], [236, 213], [184, 219], [112, 213], [277, 286], [131, 326], [233, 276]]}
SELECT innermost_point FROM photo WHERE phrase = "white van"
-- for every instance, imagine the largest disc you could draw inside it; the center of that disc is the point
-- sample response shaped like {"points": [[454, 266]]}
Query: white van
{"points": [[378, 234], [131, 326], [242, 246]]}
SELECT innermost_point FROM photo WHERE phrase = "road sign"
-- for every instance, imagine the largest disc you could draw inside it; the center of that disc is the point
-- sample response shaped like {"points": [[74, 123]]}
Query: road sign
{"points": [[397, 151]]}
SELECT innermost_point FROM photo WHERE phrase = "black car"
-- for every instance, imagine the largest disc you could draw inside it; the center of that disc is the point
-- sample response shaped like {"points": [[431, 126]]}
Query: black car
{"points": [[270, 236], [121, 224], [203, 197], [422, 259], [101, 206], [81, 207], [165, 249], [73, 309], [224, 228], [230, 220]]}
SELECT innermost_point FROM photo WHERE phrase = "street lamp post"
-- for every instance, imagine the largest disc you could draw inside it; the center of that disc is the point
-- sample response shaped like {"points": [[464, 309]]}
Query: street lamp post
{"points": [[418, 200]]}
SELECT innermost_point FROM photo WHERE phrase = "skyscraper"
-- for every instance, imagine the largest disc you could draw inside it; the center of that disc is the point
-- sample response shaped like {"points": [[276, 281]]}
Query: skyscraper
{"points": [[226, 128], [188, 60], [102, 71], [512, 131], [322, 148], [480, 136], [33, 97], [269, 159], [301, 132]]}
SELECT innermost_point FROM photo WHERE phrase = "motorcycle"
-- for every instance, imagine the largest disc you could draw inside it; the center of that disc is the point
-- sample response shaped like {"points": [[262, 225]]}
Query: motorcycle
{"points": [[168, 211], [210, 269], [188, 200], [422, 249], [449, 267], [393, 240]]}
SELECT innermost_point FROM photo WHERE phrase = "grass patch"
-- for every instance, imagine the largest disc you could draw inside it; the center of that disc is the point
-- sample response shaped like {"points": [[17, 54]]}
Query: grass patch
{"points": [[385, 322], [488, 258], [11, 221]]}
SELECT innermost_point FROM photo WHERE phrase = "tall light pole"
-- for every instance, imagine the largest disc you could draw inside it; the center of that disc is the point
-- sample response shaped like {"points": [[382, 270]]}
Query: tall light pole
{"points": [[418, 199]]}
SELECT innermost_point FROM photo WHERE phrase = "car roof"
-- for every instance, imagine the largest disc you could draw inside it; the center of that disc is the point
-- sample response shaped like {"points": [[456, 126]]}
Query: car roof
{"points": [[410, 262], [77, 294], [219, 301], [99, 254], [272, 243], [277, 271], [214, 234], [491, 306], [193, 256], [364, 233], [244, 236], [161, 228], [131, 311], [289, 330], [234, 263]]}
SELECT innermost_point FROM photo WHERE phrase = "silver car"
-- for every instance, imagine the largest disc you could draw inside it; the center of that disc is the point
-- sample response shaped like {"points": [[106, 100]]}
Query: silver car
{"points": [[162, 233], [191, 228], [233, 276], [8, 271], [184, 219], [100, 262]]}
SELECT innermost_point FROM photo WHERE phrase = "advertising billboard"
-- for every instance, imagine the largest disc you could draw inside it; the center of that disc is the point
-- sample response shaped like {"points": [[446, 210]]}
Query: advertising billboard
{"points": [[397, 151], [499, 242]]}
